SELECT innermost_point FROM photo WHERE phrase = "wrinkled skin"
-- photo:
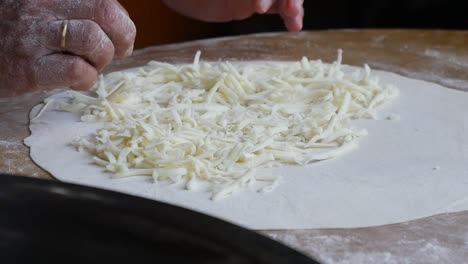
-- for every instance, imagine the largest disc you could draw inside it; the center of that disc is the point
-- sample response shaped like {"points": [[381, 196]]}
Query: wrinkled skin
{"points": [[30, 54], [291, 11]]}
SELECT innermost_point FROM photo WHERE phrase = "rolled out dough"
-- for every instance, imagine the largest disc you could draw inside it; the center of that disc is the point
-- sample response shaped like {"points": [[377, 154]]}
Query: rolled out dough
{"points": [[389, 179]]}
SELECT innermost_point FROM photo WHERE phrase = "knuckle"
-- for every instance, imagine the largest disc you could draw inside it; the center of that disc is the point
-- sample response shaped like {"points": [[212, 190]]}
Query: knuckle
{"points": [[108, 12], [115, 20], [94, 45], [91, 35]]}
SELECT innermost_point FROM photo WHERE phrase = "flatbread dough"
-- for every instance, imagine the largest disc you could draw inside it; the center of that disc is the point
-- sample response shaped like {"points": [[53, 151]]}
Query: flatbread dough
{"points": [[412, 164]]}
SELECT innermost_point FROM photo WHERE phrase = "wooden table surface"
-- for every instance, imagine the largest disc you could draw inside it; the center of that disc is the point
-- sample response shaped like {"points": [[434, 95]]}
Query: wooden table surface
{"points": [[436, 56]]}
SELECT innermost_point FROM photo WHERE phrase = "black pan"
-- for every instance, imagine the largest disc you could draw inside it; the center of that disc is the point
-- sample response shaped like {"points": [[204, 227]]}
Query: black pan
{"points": [[53, 222]]}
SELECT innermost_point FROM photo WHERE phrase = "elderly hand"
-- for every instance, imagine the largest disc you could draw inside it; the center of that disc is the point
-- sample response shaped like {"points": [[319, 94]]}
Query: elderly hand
{"points": [[57, 43], [292, 11]]}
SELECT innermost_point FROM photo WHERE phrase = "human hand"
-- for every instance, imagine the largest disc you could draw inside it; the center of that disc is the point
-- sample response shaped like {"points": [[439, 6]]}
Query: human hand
{"points": [[291, 11], [31, 53]]}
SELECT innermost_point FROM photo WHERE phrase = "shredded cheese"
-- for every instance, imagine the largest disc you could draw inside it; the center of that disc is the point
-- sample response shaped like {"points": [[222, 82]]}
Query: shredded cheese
{"points": [[217, 124]]}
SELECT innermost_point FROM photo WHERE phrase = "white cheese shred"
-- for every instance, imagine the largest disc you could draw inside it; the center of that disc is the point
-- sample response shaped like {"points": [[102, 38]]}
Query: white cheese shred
{"points": [[219, 124]]}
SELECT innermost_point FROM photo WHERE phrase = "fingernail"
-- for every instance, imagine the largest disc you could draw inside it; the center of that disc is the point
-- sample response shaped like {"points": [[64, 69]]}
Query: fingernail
{"points": [[299, 23], [264, 5]]}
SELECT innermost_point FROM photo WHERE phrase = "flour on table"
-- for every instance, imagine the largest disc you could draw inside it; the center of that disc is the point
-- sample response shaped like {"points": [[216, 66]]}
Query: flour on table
{"points": [[384, 181]]}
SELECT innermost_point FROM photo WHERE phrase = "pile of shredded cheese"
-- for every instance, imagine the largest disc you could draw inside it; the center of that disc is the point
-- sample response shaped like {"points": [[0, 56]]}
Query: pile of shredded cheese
{"points": [[215, 124]]}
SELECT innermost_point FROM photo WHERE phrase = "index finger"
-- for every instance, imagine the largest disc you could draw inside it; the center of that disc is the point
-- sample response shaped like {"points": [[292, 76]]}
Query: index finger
{"points": [[291, 11], [108, 14]]}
